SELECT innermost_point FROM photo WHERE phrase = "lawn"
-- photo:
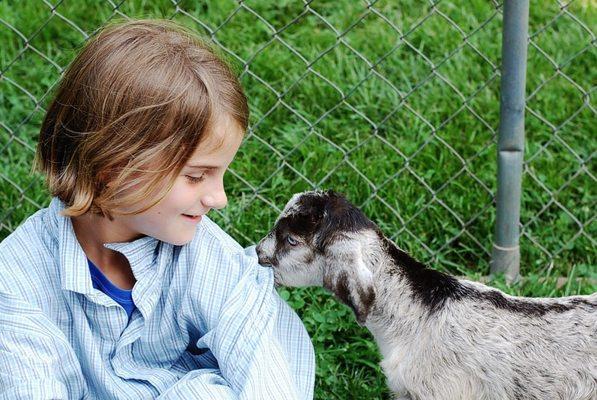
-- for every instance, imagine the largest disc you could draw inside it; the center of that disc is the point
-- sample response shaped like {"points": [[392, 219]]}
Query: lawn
{"points": [[394, 103]]}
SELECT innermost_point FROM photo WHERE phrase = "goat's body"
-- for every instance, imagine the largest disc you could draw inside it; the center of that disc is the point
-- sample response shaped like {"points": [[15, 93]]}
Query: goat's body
{"points": [[471, 349], [440, 338]]}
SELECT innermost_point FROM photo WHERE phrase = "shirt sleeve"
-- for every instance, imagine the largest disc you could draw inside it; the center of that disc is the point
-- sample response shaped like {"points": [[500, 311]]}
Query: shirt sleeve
{"points": [[36, 360], [262, 348]]}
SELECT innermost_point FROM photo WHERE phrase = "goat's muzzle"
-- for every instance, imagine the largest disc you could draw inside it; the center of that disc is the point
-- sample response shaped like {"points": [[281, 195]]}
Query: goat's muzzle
{"points": [[263, 259]]}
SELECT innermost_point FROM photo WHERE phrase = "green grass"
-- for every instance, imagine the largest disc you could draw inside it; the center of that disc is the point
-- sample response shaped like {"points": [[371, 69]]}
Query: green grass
{"points": [[339, 101]]}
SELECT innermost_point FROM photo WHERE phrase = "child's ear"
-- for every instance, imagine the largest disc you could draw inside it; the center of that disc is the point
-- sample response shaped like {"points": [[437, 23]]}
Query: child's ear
{"points": [[103, 177]]}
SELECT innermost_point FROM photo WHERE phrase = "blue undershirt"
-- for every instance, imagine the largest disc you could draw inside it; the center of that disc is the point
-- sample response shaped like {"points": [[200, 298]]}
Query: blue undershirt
{"points": [[121, 296]]}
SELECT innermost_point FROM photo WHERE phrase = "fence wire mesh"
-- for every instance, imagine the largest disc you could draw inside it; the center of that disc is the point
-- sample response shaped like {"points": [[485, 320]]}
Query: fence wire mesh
{"points": [[395, 103]]}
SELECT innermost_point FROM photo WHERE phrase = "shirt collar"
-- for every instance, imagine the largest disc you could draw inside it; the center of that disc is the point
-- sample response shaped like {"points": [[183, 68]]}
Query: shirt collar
{"points": [[75, 275]]}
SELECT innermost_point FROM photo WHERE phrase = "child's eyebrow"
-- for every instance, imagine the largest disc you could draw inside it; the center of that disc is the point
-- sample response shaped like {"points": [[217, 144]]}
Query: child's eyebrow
{"points": [[208, 167]]}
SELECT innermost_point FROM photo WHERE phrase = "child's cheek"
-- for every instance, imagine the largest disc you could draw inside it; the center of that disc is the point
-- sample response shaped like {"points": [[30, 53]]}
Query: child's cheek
{"points": [[184, 196]]}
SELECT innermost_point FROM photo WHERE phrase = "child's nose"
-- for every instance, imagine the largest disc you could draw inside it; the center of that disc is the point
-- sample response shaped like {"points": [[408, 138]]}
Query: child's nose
{"points": [[215, 200]]}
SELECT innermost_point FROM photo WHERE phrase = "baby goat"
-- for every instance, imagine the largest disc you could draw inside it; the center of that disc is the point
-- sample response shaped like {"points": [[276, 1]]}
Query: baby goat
{"points": [[440, 337]]}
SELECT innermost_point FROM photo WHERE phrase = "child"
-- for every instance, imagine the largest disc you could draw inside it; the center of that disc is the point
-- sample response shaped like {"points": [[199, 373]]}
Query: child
{"points": [[122, 288]]}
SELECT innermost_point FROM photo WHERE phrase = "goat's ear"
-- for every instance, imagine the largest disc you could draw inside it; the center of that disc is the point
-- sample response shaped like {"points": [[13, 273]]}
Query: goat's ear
{"points": [[350, 280]]}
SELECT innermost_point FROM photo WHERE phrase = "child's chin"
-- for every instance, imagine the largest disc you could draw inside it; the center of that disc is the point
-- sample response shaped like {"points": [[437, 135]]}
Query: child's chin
{"points": [[178, 240]]}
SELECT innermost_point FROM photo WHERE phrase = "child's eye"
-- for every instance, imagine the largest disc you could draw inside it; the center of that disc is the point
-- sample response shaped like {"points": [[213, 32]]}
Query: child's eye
{"points": [[195, 179]]}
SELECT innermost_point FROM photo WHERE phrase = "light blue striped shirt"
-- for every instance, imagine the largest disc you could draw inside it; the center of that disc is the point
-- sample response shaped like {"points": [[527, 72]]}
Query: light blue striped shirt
{"points": [[208, 323]]}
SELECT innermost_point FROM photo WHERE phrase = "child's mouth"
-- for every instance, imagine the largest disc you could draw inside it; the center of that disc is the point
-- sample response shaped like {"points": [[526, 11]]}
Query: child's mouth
{"points": [[192, 218]]}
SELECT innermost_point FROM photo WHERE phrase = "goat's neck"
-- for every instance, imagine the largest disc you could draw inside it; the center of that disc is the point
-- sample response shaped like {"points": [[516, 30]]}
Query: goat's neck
{"points": [[397, 314], [386, 288]]}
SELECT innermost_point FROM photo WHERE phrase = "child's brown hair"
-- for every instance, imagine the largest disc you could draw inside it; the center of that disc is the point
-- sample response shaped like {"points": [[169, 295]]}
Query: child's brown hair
{"points": [[130, 110]]}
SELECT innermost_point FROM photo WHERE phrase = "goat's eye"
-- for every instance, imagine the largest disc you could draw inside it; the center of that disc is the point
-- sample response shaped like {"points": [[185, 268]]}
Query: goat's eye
{"points": [[291, 241]]}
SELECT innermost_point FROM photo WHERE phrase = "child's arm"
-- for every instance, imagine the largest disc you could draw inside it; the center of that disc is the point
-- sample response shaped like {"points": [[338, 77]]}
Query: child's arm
{"points": [[262, 348], [36, 360]]}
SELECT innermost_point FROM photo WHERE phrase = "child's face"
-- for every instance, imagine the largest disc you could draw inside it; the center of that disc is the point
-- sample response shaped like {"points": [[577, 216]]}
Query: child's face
{"points": [[197, 189]]}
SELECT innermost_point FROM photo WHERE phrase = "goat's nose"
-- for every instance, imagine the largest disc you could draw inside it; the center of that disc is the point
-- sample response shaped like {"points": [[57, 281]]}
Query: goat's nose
{"points": [[263, 259]]}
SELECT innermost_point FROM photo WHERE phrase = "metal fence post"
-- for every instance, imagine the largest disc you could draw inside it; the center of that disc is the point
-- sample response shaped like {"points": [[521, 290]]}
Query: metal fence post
{"points": [[506, 251]]}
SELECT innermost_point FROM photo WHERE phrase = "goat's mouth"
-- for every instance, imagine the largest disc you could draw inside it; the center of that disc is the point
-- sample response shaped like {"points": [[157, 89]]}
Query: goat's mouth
{"points": [[263, 259], [267, 262]]}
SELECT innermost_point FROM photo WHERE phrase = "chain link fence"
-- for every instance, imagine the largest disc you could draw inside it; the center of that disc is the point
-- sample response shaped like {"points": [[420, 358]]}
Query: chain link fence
{"points": [[394, 103], [562, 141]]}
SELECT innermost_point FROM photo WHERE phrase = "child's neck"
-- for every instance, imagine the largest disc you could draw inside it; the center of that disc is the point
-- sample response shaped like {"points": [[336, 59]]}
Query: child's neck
{"points": [[92, 232]]}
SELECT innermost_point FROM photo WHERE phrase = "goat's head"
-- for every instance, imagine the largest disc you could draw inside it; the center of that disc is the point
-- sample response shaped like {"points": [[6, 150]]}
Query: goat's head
{"points": [[321, 239]]}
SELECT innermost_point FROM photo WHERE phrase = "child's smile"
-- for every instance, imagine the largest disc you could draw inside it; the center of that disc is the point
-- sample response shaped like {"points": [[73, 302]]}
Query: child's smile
{"points": [[192, 218]]}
